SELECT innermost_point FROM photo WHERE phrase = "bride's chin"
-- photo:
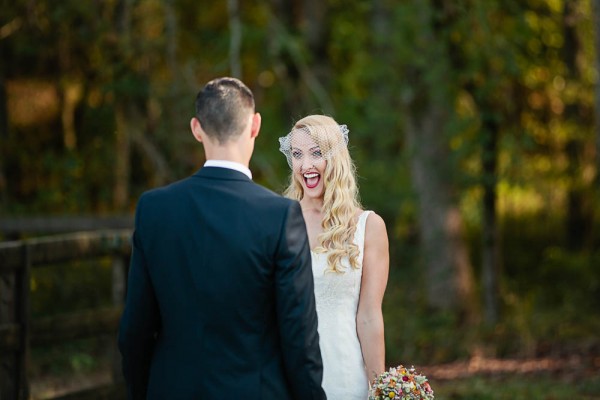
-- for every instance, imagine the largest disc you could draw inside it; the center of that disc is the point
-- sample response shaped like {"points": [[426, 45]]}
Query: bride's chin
{"points": [[313, 193]]}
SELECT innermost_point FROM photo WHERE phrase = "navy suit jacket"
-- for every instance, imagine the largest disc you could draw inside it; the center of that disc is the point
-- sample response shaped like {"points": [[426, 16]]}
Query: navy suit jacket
{"points": [[220, 300]]}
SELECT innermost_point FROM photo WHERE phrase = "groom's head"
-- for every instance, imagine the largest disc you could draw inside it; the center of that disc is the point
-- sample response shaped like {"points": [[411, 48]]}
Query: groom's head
{"points": [[225, 109]]}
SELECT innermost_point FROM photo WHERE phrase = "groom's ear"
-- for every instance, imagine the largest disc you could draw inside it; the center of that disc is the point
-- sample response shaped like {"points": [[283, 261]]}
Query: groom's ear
{"points": [[256, 122], [196, 129]]}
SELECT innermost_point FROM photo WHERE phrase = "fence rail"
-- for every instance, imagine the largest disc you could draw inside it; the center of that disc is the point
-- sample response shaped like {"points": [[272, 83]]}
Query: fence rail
{"points": [[63, 224], [18, 331], [55, 249], [51, 330]]}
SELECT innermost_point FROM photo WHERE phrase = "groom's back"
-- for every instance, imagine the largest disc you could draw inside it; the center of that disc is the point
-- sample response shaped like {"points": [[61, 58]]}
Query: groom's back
{"points": [[220, 299], [210, 243]]}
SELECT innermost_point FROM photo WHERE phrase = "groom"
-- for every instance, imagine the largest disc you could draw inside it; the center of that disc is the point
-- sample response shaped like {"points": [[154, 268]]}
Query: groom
{"points": [[220, 300]]}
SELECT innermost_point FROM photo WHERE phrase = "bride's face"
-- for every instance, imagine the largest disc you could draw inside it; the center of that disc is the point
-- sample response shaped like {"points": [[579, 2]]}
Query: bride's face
{"points": [[308, 165]]}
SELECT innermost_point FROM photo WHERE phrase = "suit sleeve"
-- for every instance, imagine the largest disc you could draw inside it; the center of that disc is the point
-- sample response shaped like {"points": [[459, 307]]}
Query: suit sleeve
{"points": [[297, 316], [140, 320]]}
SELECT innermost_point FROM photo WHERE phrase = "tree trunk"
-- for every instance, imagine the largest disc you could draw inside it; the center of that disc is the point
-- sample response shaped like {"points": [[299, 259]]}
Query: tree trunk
{"points": [[161, 171], [579, 211], [316, 35], [445, 252], [490, 264], [299, 78], [171, 33], [235, 41], [596, 25], [3, 139], [122, 152], [449, 272], [71, 95], [280, 22], [124, 105]]}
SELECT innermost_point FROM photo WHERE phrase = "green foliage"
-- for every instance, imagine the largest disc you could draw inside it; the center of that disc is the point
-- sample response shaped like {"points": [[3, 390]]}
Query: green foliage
{"points": [[69, 359], [558, 310], [63, 289], [72, 287], [500, 60], [414, 334], [549, 301]]}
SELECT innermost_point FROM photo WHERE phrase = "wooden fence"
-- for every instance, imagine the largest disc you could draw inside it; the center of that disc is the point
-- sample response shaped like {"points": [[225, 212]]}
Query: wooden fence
{"points": [[18, 331], [14, 226]]}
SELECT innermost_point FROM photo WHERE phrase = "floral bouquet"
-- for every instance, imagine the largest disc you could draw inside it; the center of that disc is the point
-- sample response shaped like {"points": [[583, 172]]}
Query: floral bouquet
{"points": [[401, 383]]}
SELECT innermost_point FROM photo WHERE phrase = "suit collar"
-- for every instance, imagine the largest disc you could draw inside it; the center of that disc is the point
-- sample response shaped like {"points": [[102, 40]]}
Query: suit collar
{"points": [[221, 173], [229, 164]]}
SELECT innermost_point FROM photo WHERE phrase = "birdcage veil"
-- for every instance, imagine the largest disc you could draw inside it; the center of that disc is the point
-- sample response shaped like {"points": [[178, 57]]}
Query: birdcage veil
{"points": [[319, 141]]}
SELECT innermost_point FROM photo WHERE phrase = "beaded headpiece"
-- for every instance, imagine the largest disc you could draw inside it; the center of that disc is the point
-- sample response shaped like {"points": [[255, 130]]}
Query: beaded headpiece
{"points": [[315, 141]]}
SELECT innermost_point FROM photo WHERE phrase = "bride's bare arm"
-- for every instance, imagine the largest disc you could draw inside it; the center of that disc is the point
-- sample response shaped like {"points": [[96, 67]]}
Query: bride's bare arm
{"points": [[369, 318]]}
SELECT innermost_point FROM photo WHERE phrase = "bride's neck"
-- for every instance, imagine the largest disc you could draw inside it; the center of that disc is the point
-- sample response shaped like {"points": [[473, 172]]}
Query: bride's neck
{"points": [[311, 204]]}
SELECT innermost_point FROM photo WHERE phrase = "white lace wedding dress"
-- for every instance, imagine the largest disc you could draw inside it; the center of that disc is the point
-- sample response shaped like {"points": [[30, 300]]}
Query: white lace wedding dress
{"points": [[344, 374]]}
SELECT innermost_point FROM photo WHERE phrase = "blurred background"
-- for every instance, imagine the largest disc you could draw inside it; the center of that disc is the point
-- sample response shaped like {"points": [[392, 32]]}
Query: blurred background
{"points": [[474, 126]]}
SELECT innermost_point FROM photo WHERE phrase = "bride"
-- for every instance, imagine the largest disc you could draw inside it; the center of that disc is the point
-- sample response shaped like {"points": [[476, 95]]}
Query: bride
{"points": [[350, 257]]}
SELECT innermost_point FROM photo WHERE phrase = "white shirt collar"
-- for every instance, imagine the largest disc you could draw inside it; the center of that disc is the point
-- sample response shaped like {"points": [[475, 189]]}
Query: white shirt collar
{"points": [[230, 165]]}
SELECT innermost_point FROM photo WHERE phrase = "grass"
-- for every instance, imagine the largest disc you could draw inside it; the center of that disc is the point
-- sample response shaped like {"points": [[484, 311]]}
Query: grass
{"points": [[71, 366], [518, 388]]}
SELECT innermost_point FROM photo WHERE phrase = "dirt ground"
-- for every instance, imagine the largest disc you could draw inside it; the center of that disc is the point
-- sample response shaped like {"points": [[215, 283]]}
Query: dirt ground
{"points": [[569, 367]]}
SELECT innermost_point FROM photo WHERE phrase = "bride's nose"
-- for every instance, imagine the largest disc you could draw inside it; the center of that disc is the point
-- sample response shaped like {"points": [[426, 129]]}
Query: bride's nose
{"points": [[306, 164]]}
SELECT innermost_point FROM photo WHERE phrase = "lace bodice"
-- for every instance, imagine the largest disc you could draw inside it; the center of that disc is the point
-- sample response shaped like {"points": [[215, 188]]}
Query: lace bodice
{"points": [[337, 295]]}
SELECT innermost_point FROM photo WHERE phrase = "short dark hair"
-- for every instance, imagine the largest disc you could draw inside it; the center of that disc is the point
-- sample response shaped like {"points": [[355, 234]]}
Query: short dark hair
{"points": [[223, 106]]}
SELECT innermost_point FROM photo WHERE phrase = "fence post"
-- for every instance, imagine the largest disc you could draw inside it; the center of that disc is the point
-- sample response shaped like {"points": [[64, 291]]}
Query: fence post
{"points": [[14, 316], [24, 319], [9, 358], [119, 270]]}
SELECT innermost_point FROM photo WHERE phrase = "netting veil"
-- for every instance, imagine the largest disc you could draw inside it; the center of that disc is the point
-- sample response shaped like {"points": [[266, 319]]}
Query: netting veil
{"points": [[315, 141]]}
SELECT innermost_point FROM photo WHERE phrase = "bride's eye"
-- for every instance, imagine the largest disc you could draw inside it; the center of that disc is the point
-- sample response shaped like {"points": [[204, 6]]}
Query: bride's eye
{"points": [[317, 153], [296, 154]]}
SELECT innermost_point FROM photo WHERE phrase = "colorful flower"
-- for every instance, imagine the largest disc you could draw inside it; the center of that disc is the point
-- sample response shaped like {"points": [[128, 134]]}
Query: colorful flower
{"points": [[401, 383]]}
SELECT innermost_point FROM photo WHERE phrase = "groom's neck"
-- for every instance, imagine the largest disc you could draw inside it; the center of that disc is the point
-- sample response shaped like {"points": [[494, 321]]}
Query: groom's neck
{"points": [[227, 154]]}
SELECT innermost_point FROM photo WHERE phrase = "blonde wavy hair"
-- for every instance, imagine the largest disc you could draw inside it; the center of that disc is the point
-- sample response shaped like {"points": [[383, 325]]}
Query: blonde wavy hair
{"points": [[340, 198]]}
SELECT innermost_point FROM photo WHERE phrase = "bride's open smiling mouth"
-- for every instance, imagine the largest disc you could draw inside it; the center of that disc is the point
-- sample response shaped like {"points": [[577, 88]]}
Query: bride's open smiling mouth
{"points": [[311, 179]]}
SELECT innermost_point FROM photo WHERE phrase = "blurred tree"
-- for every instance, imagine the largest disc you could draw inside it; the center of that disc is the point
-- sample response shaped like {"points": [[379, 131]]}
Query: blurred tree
{"points": [[596, 39], [128, 115], [235, 29], [579, 206], [9, 24], [488, 74], [596, 36], [3, 134], [298, 37], [463, 114], [427, 96]]}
